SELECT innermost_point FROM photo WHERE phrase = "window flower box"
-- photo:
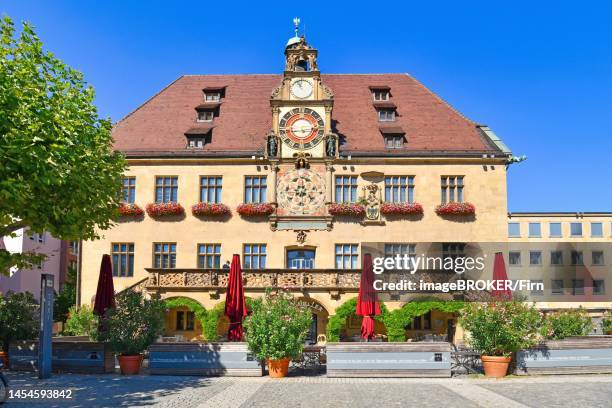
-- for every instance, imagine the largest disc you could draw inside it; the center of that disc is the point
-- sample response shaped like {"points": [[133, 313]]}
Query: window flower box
{"points": [[130, 210], [401, 208], [456, 209], [255, 209], [164, 209], [354, 210], [210, 209]]}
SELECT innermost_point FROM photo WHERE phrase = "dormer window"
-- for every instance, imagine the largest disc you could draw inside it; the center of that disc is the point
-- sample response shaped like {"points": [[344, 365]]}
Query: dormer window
{"points": [[394, 141], [213, 94], [386, 115], [206, 115], [380, 94], [196, 142]]}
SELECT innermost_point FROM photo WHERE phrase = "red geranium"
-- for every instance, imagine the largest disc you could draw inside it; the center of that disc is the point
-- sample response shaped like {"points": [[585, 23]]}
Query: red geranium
{"points": [[210, 209], [401, 208], [456, 209], [130, 210], [254, 210], [357, 210], [164, 209]]}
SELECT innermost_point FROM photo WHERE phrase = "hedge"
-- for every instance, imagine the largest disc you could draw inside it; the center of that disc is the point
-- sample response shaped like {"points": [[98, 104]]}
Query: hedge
{"points": [[394, 321]]}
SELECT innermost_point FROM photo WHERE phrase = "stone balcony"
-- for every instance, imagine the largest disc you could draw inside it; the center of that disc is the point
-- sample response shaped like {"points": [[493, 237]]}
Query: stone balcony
{"points": [[334, 281]]}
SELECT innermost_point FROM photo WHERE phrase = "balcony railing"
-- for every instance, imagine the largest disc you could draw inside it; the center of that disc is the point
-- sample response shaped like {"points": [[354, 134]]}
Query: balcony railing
{"points": [[205, 279], [261, 279]]}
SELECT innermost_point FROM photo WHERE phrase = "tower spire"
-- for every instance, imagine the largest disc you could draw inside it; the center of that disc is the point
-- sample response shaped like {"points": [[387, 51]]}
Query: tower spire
{"points": [[296, 23]]}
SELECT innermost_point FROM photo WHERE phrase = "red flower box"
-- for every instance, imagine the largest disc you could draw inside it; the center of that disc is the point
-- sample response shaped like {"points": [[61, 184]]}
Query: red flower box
{"points": [[130, 210], [254, 210], [164, 209], [456, 209], [357, 210], [210, 209], [401, 208]]}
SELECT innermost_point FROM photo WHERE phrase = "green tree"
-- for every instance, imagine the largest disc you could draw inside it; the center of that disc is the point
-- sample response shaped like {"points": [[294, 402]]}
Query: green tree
{"points": [[58, 170], [19, 318], [66, 298], [82, 322]]}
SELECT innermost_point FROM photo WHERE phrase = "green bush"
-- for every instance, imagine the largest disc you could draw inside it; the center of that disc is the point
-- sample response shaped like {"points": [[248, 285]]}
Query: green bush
{"points": [[19, 318], [82, 322], [337, 322], [566, 323], [501, 328], [134, 324], [606, 323], [277, 327]]}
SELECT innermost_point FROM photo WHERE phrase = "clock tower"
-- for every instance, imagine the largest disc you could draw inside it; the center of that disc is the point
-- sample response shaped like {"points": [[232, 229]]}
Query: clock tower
{"points": [[301, 146], [302, 105]]}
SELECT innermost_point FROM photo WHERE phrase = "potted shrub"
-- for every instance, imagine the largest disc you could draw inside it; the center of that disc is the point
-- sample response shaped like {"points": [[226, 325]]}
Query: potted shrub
{"points": [[82, 322], [566, 323], [19, 320], [499, 329], [255, 209], [276, 331], [132, 326], [606, 323], [347, 209]]}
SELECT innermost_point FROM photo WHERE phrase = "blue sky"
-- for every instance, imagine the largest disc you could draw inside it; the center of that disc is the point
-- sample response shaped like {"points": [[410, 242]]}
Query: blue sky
{"points": [[538, 73]]}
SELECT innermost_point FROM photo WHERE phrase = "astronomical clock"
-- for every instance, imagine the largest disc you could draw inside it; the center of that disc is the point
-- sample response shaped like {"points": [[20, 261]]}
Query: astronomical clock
{"points": [[301, 144]]}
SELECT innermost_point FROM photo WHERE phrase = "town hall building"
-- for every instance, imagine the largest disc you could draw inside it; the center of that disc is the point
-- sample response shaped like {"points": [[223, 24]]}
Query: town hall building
{"points": [[295, 172]]}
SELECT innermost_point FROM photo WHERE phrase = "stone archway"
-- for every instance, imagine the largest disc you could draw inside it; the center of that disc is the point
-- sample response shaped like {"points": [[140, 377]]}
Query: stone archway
{"points": [[183, 318], [320, 317]]}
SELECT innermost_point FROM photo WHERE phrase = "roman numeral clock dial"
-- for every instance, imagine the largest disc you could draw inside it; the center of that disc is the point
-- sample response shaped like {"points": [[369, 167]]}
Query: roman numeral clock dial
{"points": [[301, 128]]}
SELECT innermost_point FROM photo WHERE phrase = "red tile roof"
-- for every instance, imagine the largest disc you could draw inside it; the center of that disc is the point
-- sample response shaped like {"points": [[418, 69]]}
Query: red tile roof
{"points": [[245, 118]]}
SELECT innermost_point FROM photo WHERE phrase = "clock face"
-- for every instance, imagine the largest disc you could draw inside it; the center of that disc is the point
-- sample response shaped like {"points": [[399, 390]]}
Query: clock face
{"points": [[301, 128], [301, 89]]}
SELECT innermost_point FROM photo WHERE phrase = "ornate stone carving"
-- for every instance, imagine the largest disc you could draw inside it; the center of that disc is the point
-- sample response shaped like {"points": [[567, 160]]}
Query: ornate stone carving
{"points": [[276, 93], [327, 92], [301, 236], [372, 198], [301, 192]]}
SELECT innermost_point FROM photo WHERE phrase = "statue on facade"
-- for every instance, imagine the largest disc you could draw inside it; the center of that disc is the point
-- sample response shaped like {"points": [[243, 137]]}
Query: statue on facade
{"points": [[330, 146], [272, 145]]}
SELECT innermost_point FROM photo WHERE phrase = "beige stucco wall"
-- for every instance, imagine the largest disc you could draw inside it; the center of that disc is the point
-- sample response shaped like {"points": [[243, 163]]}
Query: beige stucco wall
{"points": [[484, 188]]}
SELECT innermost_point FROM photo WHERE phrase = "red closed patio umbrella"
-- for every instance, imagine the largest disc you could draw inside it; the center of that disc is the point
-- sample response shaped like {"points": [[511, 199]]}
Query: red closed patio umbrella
{"points": [[105, 293], [367, 302], [235, 305], [499, 274]]}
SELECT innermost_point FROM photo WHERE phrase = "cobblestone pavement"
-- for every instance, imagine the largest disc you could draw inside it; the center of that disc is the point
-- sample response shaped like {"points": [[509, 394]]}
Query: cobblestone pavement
{"points": [[186, 392]]}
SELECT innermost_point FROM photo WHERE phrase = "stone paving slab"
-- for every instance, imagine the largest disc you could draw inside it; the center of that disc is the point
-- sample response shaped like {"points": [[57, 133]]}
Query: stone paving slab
{"points": [[91, 391], [556, 395]]}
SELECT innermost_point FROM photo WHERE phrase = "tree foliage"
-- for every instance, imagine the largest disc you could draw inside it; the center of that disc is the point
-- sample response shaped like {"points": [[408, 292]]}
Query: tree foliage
{"points": [[19, 318], [66, 298], [566, 323], [58, 171], [277, 327], [82, 322], [134, 323]]}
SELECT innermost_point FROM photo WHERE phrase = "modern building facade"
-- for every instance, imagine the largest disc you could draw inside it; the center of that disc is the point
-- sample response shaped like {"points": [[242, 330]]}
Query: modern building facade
{"points": [[311, 166]]}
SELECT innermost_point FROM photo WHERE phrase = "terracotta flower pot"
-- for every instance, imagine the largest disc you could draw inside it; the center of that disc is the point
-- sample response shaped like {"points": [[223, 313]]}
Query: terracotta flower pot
{"points": [[5, 359], [495, 366], [278, 368], [130, 365], [609, 332]]}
